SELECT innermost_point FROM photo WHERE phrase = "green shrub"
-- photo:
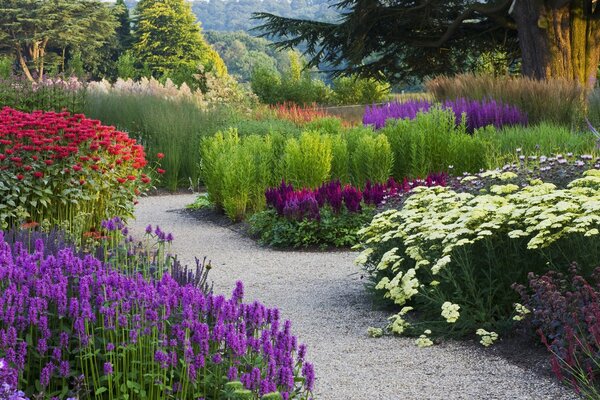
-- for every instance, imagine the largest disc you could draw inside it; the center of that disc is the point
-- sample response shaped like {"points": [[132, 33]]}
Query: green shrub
{"points": [[559, 101], [265, 127], [331, 230], [236, 171], [6, 66], [372, 160], [340, 159], [172, 127], [354, 90], [433, 142], [307, 160], [329, 125], [545, 138], [445, 248]]}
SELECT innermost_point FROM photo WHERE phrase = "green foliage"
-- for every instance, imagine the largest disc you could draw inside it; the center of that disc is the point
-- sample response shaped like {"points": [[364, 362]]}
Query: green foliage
{"points": [[266, 127], [356, 90], [125, 66], [236, 171], [172, 127], [332, 230], [244, 166], [294, 84], [40, 31], [242, 53], [6, 66], [75, 67], [507, 144], [307, 159], [468, 249], [372, 160], [433, 142], [170, 42]]}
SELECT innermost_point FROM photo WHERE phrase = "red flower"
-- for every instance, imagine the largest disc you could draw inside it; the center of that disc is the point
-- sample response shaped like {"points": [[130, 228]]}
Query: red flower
{"points": [[20, 177], [131, 177], [27, 168], [48, 162], [82, 181], [38, 174], [160, 171], [2, 157], [121, 180], [28, 225], [160, 156], [146, 180], [77, 167]]}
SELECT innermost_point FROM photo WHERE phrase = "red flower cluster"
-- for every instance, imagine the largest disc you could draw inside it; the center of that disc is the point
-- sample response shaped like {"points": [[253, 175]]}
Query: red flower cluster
{"points": [[33, 142]]}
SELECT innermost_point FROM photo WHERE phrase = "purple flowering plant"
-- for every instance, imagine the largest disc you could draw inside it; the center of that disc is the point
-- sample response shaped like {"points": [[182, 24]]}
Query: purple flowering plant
{"points": [[66, 313], [478, 113]]}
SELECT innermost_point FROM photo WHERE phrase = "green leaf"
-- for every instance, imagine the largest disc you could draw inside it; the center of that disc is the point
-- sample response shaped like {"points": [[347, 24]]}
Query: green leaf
{"points": [[99, 391]]}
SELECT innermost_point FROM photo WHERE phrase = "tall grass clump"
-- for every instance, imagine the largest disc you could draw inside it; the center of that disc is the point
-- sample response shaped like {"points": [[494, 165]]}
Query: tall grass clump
{"points": [[434, 142], [556, 100], [170, 126], [545, 138], [594, 108], [307, 160]]}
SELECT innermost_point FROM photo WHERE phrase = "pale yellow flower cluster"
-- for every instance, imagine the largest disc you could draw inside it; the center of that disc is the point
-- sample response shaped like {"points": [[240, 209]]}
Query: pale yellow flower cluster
{"points": [[521, 312], [487, 338], [450, 312], [423, 340], [436, 221]]}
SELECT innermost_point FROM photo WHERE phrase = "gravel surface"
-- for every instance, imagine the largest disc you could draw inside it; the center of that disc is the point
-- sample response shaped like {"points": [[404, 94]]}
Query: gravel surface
{"points": [[323, 295]]}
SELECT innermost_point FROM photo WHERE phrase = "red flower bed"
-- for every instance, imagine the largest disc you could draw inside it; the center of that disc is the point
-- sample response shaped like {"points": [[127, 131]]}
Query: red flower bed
{"points": [[60, 167]]}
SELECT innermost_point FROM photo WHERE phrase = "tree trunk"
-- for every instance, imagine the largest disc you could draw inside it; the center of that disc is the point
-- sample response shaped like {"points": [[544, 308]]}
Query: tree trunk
{"points": [[23, 63], [559, 39]]}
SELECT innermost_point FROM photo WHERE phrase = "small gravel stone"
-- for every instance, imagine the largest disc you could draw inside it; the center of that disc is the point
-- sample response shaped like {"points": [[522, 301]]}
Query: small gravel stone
{"points": [[324, 297]]}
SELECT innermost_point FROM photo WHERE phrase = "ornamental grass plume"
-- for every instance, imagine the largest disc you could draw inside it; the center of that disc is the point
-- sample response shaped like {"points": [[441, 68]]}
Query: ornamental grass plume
{"points": [[66, 314]]}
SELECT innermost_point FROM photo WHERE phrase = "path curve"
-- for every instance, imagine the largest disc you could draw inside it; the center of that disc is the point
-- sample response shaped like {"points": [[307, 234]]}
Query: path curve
{"points": [[323, 295]]}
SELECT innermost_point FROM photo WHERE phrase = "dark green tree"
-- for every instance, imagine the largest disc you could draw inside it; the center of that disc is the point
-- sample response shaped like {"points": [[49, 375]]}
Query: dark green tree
{"points": [[401, 38], [123, 31], [33, 29]]}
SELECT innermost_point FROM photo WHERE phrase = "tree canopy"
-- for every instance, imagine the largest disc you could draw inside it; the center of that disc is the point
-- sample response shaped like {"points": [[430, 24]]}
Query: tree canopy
{"points": [[401, 38], [169, 40], [38, 30]]}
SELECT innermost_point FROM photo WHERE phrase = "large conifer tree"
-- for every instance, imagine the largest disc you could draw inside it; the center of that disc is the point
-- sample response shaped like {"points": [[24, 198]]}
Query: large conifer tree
{"points": [[170, 42]]}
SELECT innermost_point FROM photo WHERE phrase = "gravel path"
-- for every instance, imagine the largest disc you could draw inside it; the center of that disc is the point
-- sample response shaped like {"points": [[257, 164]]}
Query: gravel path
{"points": [[323, 295]]}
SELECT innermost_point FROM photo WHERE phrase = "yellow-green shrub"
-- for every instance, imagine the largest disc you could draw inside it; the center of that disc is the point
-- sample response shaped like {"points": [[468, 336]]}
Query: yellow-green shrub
{"points": [[307, 159], [372, 160]]}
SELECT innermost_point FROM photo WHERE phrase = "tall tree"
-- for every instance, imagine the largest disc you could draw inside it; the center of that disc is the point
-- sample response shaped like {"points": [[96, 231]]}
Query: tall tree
{"points": [[124, 36], [170, 41], [32, 27], [556, 38]]}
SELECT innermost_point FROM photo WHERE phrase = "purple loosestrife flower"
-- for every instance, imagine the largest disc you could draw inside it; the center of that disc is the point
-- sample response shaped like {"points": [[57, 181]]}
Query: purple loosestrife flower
{"points": [[149, 229], [378, 115], [108, 368], [352, 198], [308, 372]]}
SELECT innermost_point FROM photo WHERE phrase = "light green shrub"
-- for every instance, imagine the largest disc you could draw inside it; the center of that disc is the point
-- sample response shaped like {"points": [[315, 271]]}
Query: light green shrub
{"points": [[340, 160], [371, 160], [307, 160], [432, 142]]}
